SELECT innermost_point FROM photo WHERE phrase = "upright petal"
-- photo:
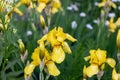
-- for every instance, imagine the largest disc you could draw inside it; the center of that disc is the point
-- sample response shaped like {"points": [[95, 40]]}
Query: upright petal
{"points": [[58, 54], [52, 69]]}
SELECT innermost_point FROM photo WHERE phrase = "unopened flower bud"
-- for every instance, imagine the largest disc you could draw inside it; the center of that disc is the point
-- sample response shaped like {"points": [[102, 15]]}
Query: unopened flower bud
{"points": [[42, 21], [118, 41], [21, 46]]}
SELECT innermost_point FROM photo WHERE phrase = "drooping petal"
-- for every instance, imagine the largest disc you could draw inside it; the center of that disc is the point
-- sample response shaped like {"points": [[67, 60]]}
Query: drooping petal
{"points": [[92, 70], [36, 56], [29, 69], [84, 71], [118, 22], [66, 47], [113, 5], [111, 62], [114, 75], [18, 11], [52, 69], [87, 58], [69, 37], [58, 54]]}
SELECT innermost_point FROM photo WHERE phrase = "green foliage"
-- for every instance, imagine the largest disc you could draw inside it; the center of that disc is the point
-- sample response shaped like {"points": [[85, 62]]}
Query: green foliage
{"points": [[11, 66]]}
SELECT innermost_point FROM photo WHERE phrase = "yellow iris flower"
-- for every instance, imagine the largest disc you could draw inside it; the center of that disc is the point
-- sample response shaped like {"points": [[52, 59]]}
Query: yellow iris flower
{"points": [[38, 57], [56, 38], [97, 60], [115, 75], [113, 25], [107, 3]]}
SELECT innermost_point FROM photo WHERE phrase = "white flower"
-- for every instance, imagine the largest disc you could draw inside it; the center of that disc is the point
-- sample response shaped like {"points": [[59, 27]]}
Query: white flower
{"points": [[114, 0], [106, 23], [118, 7], [82, 14], [89, 26], [111, 15], [95, 21], [96, 3], [74, 24], [69, 8], [29, 33], [72, 7], [75, 7]]}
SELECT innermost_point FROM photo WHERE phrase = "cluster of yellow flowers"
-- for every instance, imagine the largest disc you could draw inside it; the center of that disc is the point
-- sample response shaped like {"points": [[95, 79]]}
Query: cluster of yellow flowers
{"points": [[47, 58], [97, 62], [107, 4], [52, 5]]}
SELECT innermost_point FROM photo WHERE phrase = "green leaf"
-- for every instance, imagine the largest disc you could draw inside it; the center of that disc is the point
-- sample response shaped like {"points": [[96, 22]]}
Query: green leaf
{"points": [[10, 64], [3, 75], [1, 58]]}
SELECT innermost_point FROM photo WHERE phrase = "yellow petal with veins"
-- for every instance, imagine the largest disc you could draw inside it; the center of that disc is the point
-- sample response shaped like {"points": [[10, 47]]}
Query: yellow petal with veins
{"points": [[114, 75], [58, 54], [111, 62], [52, 69], [29, 69], [118, 22], [69, 37], [87, 58], [92, 70], [66, 47]]}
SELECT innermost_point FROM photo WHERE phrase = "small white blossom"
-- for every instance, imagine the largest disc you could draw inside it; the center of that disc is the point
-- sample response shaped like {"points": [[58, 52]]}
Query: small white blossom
{"points": [[89, 26], [72, 7], [106, 23], [74, 24], [96, 3], [111, 15], [75, 7], [95, 21], [29, 33], [82, 14], [114, 0], [118, 7], [69, 8]]}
